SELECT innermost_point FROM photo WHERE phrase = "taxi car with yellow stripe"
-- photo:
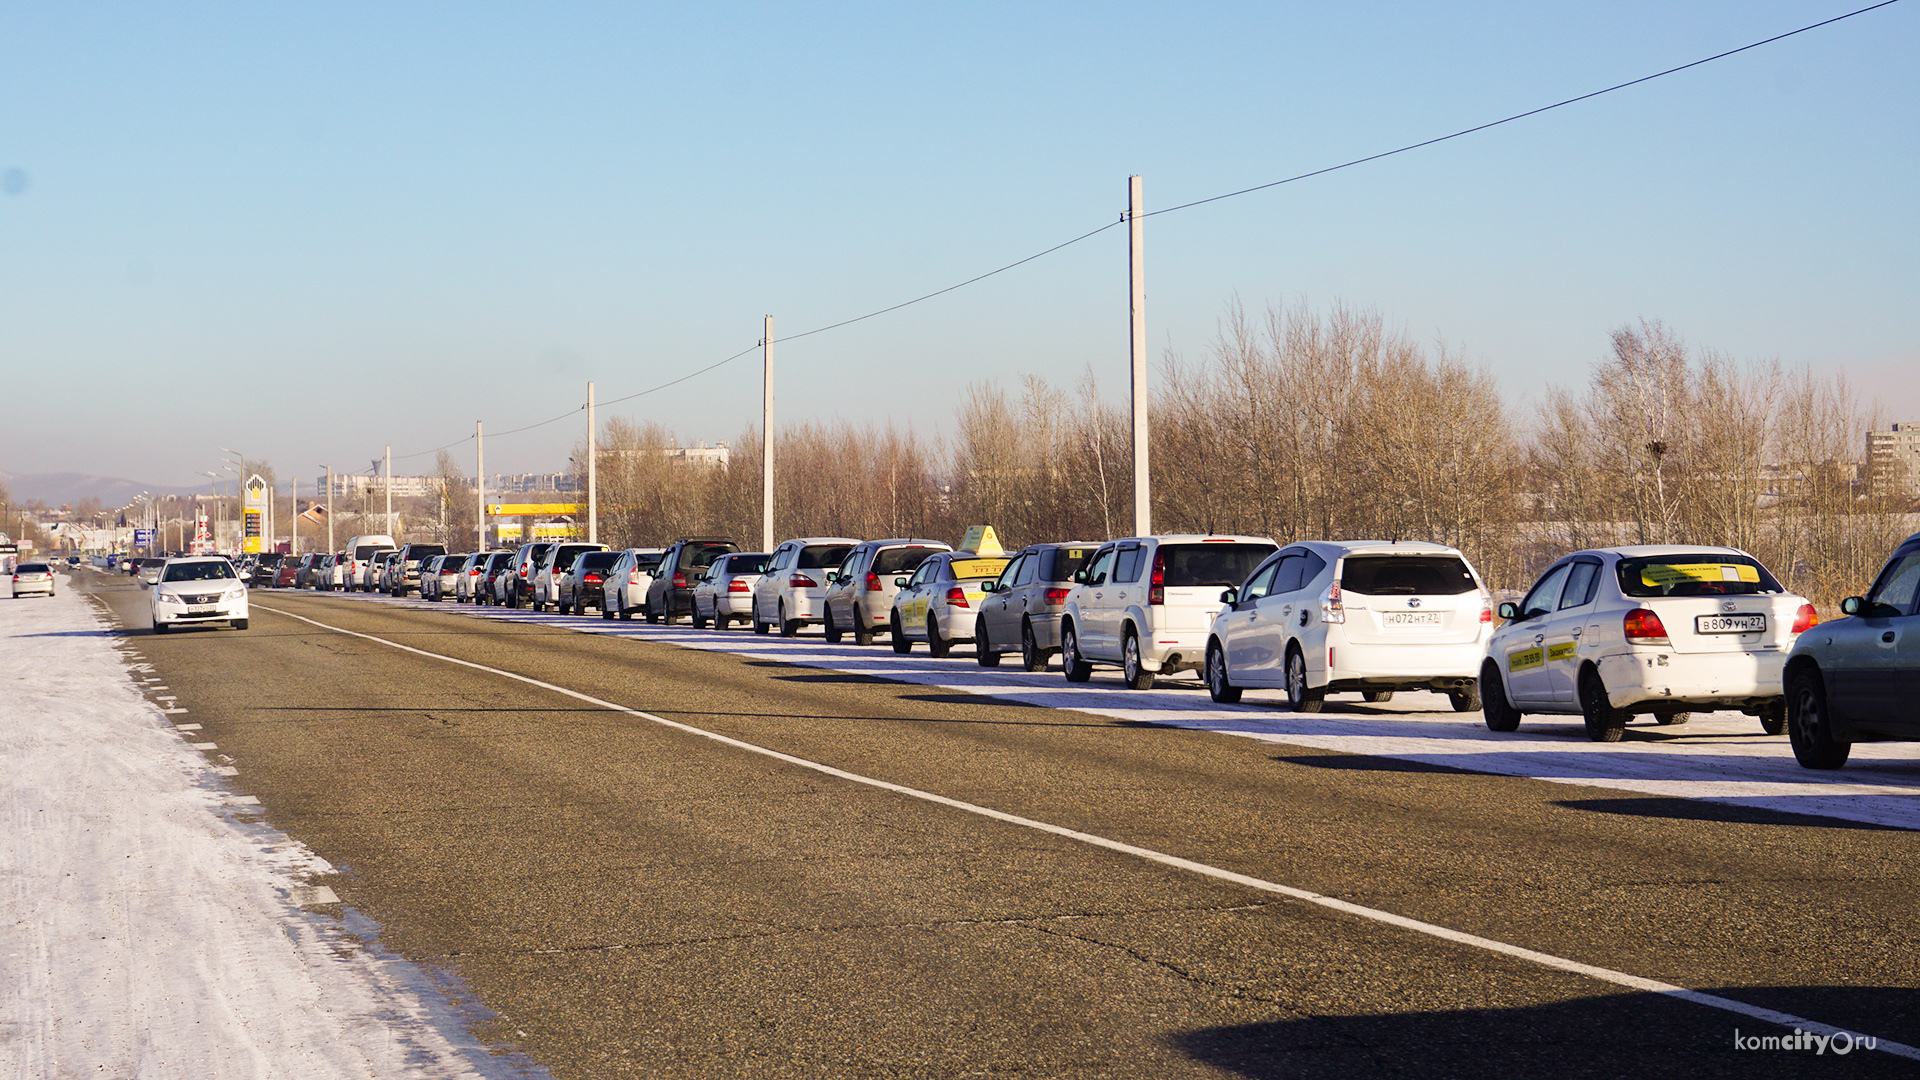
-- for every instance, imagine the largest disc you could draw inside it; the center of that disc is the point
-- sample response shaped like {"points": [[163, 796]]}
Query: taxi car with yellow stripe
{"points": [[1662, 632], [938, 603]]}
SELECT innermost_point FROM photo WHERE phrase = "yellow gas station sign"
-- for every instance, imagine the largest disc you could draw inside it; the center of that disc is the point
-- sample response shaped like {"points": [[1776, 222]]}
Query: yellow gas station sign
{"points": [[531, 509]]}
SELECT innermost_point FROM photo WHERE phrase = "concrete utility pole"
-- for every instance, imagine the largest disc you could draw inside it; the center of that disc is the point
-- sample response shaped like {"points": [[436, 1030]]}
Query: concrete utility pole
{"points": [[766, 436], [293, 539], [593, 490], [1137, 305], [389, 486], [480, 486], [329, 469]]}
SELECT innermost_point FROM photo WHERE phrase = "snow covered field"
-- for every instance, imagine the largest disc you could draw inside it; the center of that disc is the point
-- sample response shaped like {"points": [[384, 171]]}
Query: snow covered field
{"points": [[154, 927]]}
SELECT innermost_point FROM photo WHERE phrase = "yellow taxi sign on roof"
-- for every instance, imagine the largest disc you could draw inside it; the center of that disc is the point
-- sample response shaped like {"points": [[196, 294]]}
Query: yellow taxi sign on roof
{"points": [[981, 540]]}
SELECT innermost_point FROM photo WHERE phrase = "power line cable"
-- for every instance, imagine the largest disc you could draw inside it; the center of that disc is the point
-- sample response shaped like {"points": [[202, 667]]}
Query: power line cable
{"points": [[1518, 116]]}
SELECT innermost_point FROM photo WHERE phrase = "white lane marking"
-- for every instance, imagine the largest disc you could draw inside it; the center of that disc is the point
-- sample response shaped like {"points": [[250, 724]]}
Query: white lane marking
{"points": [[204, 746], [172, 712], [312, 895], [226, 770], [1607, 975], [186, 727]]}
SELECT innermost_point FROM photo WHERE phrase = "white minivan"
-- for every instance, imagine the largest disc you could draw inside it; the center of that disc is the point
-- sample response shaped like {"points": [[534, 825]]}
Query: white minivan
{"points": [[1145, 603], [1370, 616], [360, 553]]}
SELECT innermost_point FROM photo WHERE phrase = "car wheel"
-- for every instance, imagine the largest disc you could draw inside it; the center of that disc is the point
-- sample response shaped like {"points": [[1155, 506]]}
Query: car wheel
{"points": [[936, 644], [1300, 696], [699, 620], [1135, 673], [758, 626], [650, 616], [1218, 688], [982, 649], [239, 624], [832, 629], [862, 633], [1604, 722], [721, 619], [788, 627], [1376, 696], [1675, 719], [1077, 670], [1810, 726], [161, 628], [899, 635], [1465, 698], [606, 612], [1032, 657], [1499, 712], [1773, 720], [626, 613]]}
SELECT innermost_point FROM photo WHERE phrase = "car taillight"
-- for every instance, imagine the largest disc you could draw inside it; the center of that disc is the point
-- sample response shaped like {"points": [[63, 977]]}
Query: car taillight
{"points": [[1056, 597], [1805, 619], [957, 597], [679, 580], [594, 579], [1157, 584], [873, 581], [802, 581], [1643, 627], [739, 585], [1486, 608], [1331, 609]]}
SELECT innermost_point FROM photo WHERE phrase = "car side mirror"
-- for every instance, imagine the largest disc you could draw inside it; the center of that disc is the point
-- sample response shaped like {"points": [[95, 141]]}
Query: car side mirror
{"points": [[1852, 605], [1230, 596], [989, 586], [1079, 577], [899, 583], [1509, 611]]}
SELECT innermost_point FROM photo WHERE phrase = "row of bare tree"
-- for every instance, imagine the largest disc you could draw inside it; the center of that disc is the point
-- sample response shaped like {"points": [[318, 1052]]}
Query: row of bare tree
{"points": [[1300, 424]]}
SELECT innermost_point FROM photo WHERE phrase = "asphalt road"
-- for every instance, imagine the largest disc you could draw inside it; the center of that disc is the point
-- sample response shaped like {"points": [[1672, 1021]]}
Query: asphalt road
{"points": [[632, 900]]}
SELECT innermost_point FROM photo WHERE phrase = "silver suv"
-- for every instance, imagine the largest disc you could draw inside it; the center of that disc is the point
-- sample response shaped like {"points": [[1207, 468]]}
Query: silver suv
{"points": [[1145, 603], [1022, 610]]}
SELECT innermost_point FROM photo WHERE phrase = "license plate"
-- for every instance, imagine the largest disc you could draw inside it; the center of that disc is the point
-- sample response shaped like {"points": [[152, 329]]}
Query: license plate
{"points": [[198, 610], [1729, 624], [1410, 618]]}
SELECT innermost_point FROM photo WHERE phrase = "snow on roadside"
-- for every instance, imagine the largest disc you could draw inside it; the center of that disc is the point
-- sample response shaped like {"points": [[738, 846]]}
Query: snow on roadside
{"points": [[152, 931]]}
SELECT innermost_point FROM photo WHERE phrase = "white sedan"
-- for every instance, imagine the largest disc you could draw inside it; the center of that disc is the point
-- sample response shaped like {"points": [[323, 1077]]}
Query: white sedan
{"points": [[1612, 633], [198, 590]]}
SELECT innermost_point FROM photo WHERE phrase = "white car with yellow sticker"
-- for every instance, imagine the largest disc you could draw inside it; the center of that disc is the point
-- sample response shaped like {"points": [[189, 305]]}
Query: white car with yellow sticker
{"points": [[1610, 634], [939, 603]]}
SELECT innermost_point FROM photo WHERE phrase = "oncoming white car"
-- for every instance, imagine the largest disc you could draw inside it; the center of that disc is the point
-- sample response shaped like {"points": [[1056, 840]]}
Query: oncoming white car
{"points": [[1615, 633], [198, 590]]}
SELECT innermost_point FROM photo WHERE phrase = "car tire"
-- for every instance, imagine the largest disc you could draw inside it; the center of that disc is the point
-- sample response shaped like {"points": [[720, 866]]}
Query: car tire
{"points": [[1675, 719], [1810, 725], [1465, 698], [982, 649], [239, 624], [1774, 720], [699, 620], [1604, 722], [651, 617], [626, 613], [760, 627], [721, 619], [1222, 691], [1494, 706], [1132, 670], [1076, 669], [936, 644], [1301, 697], [1032, 656], [832, 629], [161, 628], [862, 633], [788, 627], [606, 612], [901, 644]]}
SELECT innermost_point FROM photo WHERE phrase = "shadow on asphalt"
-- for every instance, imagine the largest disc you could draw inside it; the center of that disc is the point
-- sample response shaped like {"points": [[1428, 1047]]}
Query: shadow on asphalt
{"points": [[1638, 1035], [1727, 812], [1362, 763]]}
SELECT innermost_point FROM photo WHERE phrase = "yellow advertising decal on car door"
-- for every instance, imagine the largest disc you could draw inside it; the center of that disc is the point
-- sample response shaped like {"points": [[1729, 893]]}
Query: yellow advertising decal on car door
{"points": [[1525, 658], [1563, 651]]}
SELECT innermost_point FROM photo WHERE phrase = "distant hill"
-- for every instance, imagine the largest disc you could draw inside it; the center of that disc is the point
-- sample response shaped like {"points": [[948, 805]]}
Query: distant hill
{"points": [[67, 488]]}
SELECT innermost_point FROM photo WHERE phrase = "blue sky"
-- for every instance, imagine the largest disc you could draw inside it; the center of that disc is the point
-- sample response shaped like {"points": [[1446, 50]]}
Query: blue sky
{"points": [[306, 232]]}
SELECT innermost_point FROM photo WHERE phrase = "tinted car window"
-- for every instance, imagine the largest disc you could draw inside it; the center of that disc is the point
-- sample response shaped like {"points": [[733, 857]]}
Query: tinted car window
{"points": [[647, 564], [1126, 568], [1062, 562], [1261, 583], [746, 564], [899, 560], [1222, 564], [822, 556], [701, 556], [599, 560], [1287, 578], [1893, 594], [1580, 584], [1546, 593], [1097, 573], [1695, 575], [1028, 569], [198, 571], [1406, 575]]}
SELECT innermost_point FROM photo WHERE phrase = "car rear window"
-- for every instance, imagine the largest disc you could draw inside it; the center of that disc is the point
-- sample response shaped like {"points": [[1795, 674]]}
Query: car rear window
{"points": [[1695, 575], [1407, 575], [976, 569], [32, 568], [901, 560], [1225, 564], [599, 560], [822, 556], [211, 570], [701, 556], [1065, 561], [365, 551], [746, 564], [647, 563]]}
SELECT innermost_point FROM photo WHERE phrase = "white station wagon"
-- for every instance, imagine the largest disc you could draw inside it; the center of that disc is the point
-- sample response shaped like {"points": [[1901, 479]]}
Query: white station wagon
{"points": [[1650, 631]]}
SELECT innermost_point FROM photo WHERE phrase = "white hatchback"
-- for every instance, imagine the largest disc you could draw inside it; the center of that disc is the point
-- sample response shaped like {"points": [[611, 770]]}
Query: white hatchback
{"points": [[1610, 634], [1146, 603], [1369, 616], [198, 590]]}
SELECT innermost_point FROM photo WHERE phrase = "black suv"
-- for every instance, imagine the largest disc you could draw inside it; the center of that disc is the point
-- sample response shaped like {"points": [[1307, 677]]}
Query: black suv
{"points": [[671, 594]]}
